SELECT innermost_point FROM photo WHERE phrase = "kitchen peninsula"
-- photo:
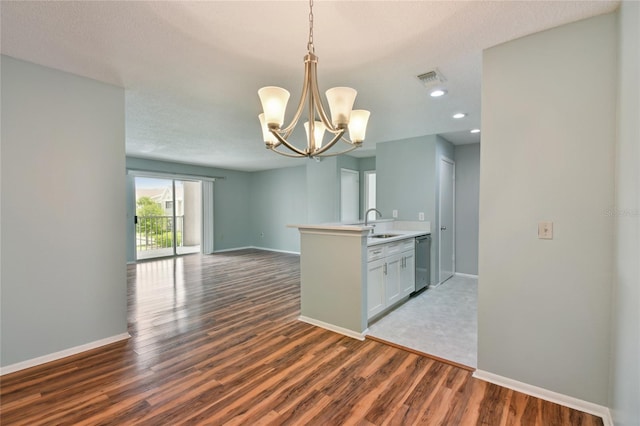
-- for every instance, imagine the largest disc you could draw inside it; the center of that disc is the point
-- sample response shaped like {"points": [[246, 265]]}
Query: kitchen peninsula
{"points": [[334, 261]]}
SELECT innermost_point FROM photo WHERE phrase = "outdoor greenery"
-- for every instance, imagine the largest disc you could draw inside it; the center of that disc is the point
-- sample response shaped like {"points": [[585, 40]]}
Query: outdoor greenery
{"points": [[145, 206], [153, 227], [165, 239]]}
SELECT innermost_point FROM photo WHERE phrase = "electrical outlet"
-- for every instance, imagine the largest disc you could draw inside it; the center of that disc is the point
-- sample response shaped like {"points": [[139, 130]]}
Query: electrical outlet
{"points": [[395, 214], [545, 230], [421, 216]]}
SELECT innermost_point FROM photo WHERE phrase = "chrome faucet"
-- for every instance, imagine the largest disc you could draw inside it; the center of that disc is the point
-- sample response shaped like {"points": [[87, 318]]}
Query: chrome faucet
{"points": [[366, 216]]}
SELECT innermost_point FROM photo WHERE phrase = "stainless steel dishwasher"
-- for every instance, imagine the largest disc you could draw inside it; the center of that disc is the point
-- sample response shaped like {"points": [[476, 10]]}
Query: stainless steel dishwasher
{"points": [[423, 263]]}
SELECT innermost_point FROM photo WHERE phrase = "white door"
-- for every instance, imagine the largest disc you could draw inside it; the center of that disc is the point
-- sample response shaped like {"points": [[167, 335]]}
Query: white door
{"points": [[447, 219], [349, 195], [369, 193]]}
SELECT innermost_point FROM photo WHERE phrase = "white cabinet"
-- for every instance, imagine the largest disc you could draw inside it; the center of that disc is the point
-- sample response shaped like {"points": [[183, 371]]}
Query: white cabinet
{"points": [[408, 269], [390, 274], [375, 287], [393, 279]]}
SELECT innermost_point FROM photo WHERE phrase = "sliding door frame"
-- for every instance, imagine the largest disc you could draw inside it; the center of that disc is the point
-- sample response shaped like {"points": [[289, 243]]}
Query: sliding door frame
{"points": [[207, 212]]}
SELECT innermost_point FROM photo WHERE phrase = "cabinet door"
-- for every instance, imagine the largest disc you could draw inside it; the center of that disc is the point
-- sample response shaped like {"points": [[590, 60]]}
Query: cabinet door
{"points": [[393, 278], [375, 287], [408, 280]]}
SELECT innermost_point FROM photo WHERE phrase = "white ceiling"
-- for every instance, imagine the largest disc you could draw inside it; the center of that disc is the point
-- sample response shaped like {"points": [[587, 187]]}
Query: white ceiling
{"points": [[192, 69]]}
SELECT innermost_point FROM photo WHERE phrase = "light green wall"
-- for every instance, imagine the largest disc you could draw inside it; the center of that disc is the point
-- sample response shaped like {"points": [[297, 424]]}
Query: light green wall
{"points": [[367, 163], [278, 198], [347, 162], [624, 391], [406, 179], [231, 201], [467, 203], [547, 154], [333, 279], [408, 175], [323, 190], [63, 267]]}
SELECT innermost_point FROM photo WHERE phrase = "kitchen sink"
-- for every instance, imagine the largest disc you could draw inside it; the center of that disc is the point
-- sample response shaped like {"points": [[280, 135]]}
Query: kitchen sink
{"points": [[384, 235]]}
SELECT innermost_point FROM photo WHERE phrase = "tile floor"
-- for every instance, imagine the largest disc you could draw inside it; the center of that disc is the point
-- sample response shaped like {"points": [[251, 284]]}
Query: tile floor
{"points": [[442, 321]]}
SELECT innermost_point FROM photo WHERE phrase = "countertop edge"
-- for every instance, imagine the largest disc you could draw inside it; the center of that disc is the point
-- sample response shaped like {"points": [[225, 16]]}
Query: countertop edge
{"points": [[402, 235]]}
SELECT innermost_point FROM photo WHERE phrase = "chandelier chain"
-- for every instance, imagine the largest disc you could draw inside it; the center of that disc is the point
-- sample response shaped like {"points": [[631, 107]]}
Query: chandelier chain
{"points": [[310, 47]]}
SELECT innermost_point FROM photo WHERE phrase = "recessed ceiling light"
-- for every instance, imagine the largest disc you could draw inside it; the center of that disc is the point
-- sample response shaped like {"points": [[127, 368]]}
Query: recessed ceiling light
{"points": [[475, 131], [459, 115], [437, 93]]}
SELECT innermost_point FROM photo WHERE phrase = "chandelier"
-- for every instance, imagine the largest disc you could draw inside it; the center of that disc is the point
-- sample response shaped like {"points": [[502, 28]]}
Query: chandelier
{"points": [[340, 99]]}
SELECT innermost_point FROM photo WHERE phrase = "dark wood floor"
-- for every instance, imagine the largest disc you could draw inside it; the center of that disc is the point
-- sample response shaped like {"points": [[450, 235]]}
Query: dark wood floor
{"points": [[215, 340]]}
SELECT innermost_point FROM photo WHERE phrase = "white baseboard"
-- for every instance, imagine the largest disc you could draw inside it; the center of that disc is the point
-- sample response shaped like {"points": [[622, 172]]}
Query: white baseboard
{"points": [[334, 328], [257, 248], [276, 250], [547, 395], [460, 274], [232, 249], [62, 354]]}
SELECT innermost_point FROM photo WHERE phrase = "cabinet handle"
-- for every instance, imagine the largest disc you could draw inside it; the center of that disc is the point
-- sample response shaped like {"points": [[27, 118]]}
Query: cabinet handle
{"points": [[384, 269]]}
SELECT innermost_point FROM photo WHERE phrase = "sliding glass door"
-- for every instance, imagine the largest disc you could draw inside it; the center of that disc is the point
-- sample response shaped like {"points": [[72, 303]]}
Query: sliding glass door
{"points": [[168, 217]]}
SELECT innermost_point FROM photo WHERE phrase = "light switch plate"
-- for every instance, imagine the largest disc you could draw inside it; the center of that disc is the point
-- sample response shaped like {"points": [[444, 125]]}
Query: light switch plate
{"points": [[545, 230], [395, 213], [421, 216]]}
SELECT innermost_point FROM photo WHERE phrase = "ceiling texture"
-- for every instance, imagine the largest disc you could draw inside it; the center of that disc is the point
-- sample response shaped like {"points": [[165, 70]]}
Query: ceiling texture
{"points": [[191, 70]]}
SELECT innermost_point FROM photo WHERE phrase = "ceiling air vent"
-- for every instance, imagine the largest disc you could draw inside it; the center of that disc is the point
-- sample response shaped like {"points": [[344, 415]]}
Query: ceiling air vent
{"points": [[432, 78]]}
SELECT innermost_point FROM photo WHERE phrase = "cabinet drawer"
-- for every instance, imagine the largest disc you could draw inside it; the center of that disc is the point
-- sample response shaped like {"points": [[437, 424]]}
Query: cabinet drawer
{"points": [[375, 253], [408, 244], [393, 248]]}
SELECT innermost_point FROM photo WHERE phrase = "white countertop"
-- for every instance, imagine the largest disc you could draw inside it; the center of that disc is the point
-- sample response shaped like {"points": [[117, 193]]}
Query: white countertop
{"points": [[406, 229]]}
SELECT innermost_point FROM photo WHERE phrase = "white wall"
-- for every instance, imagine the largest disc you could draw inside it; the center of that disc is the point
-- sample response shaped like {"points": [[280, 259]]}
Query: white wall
{"points": [[63, 211], [625, 355], [547, 154], [467, 203]]}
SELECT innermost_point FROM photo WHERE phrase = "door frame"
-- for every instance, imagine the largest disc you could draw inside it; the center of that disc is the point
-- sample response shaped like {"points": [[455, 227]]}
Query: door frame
{"points": [[453, 222], [207, 215], [365, 197]]}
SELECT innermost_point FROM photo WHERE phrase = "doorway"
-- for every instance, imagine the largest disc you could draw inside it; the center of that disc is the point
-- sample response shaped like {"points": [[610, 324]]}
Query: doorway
{"points": [[446, 233], [168, 218], [349, 195], [369, 194]]}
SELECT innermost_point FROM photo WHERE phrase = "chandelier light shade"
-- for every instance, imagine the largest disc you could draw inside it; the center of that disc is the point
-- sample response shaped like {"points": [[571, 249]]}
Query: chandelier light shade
{"points": [[343, 118], [274, 103], [318, 134], [358, 124]]}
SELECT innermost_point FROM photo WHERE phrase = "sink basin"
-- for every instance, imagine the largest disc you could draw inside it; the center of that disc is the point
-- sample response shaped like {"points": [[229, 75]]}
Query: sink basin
{"points": [[384, 235]]}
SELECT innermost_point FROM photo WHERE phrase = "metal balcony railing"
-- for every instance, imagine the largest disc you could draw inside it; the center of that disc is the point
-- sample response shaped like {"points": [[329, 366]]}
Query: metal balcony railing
{"points": [[156, 232]]}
